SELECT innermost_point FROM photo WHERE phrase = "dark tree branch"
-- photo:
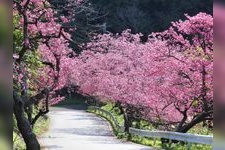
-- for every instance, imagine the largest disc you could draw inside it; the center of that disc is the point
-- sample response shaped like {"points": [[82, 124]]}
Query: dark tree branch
{"points": [[41, 112]]}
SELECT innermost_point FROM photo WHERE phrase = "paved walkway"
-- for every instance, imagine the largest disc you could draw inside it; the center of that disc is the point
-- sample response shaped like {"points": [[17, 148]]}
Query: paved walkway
{"points": [[74, 129]]}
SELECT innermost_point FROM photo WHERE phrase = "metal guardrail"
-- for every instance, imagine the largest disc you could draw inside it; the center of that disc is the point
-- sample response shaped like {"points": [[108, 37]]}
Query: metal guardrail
{"points": [[184, 137], [109, 116]]}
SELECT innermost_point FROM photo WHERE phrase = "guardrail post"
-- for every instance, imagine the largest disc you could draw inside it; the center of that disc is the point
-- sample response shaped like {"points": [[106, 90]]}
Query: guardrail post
{"points": [[154, 143], [189, 145], [170, 142]]}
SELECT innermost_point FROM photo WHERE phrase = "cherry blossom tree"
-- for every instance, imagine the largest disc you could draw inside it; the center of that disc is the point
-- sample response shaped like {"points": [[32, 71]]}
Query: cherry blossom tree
{"points": [[168, 78], [120, 68], [190, 44], [41, 58]]}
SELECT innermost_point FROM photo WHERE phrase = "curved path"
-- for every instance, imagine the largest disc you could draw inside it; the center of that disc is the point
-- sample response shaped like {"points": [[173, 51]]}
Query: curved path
{"points": [[75, 129]]}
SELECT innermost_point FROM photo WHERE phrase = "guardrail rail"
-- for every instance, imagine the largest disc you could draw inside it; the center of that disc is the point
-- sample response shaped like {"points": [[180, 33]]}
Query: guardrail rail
{"points": [[109, 116], [184, 137]]}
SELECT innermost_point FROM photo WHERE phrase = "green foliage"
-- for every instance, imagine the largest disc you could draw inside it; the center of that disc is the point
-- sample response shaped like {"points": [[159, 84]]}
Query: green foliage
{"points": [[199, 129], [32, 57], [115, 111], [17, 34], [42, 126], [32, 61], [186, 147], [72, 100]]}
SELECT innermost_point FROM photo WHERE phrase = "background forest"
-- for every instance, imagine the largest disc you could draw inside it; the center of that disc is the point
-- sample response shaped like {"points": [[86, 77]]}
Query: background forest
{"points": [[141, 16]]}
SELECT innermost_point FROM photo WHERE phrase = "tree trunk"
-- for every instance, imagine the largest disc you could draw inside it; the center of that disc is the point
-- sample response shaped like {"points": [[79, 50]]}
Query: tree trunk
{"points": [[138, 124], [198, 119], [41, 112], [24, 125], [127, 121], [29, 111], [181, 124], [118, 104], [126, 117]]}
